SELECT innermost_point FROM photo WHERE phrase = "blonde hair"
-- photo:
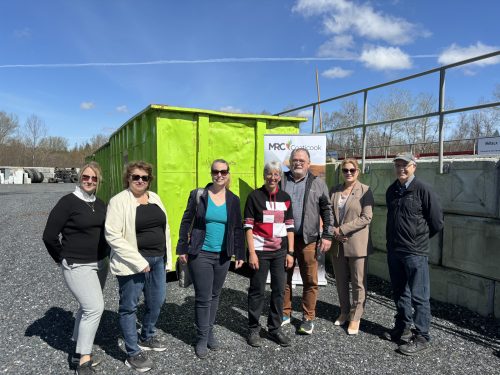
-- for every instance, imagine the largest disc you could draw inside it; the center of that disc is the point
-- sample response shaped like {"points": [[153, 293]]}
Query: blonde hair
{"points": [[97, 170], [349, 161]]}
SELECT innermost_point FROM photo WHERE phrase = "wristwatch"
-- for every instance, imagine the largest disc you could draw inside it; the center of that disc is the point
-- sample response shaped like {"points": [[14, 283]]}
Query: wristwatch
{"points": [[291, 252]]}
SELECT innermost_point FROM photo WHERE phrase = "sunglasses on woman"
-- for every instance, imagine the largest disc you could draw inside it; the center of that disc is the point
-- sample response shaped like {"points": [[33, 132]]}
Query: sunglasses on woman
{"points": [[136, 177], [86, 177], [222, 172], [349, 170]]}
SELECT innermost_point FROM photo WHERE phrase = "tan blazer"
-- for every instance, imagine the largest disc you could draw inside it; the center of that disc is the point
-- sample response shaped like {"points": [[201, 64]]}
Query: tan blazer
{"points": [[356, 222]]}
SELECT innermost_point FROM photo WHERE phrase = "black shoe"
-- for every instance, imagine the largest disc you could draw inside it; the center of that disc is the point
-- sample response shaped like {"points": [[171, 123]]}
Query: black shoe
{"points": [[397, 335], [280, 338], [85, 369], [75, 359], [152, 344], [254, 339], [200, 349], [306, 327], [139, 362], [417, 344], [212, 342]]}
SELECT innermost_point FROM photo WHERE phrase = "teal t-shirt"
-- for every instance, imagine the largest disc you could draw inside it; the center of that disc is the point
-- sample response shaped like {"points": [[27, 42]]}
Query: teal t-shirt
{"points": [[216, 222]]}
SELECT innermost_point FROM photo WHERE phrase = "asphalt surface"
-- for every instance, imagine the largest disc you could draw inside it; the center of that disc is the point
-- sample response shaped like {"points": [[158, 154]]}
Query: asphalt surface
{"points": [[36, 319]]}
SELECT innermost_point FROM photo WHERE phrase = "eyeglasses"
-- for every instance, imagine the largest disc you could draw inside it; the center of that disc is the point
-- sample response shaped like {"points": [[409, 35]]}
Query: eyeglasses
{"points": [[86, 177], [136, 177], [271, 174], [299, 161], [222, 172], [349, 170]]}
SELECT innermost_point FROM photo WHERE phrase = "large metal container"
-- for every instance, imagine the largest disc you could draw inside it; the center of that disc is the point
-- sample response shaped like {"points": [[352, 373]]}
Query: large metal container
{"points": [[181, 143]]}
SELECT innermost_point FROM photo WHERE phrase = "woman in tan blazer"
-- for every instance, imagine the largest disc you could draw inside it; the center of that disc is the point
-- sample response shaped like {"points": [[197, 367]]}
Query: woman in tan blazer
{"points": [[353, 205]]}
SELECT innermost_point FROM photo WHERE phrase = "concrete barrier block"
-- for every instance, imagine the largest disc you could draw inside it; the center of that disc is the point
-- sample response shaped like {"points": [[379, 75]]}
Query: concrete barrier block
{"points": [[331, 175], [379, 177], [470, 187], [472, 244], [377, 228], [377, 265], [496, 302], [472, 292]]}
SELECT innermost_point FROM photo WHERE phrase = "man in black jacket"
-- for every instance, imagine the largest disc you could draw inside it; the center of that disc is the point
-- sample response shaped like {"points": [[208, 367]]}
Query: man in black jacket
{"points": [[413, 216]]}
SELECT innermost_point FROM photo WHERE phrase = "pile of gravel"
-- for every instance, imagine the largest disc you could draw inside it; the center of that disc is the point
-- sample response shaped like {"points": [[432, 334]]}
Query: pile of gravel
{"points": [[36, 319]]}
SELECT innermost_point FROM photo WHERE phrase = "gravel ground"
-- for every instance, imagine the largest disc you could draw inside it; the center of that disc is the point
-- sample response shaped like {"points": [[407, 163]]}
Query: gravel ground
{"points": [[36, 319]]}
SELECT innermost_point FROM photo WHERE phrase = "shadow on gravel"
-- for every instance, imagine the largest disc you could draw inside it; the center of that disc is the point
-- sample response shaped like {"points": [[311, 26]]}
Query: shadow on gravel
{"points": [[177, 321], [56, 328], [482, 331]]}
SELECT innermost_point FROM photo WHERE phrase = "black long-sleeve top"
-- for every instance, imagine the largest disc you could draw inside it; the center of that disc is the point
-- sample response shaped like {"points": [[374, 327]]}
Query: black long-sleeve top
{"points": [[413, 216], [81, 228]]}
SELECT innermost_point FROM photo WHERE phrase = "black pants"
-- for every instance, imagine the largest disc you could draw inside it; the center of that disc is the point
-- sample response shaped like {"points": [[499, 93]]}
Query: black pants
{"points": [[208, 271], [273, 261]]}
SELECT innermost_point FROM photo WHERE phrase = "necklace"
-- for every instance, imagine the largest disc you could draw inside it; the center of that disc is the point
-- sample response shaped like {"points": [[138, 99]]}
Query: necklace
{"points": [[91, 205]]}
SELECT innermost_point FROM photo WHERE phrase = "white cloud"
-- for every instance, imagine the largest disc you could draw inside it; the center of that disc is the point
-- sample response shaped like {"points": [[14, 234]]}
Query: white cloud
{"points": [[341, 17], [385, 58], [122, 108], [315, 7], [307, 113], [456, 53], [230, 109], [336, 72], [340, 46], [87, 105]]}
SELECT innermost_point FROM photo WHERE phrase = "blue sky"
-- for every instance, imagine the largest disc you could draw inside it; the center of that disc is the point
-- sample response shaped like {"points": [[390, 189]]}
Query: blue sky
{"points": [[87, 66]]}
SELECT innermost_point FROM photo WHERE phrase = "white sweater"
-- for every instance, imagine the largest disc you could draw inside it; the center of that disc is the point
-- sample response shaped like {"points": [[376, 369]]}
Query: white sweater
{"points": [[125, 258]]}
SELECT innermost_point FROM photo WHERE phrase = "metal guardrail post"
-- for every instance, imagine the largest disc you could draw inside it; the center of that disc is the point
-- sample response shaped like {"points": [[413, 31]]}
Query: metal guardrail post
{"points": [[314, 115], [442, 74], [365, 116]]}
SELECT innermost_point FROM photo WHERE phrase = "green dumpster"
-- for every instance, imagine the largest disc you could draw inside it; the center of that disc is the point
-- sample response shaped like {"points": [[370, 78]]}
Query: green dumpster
{"points": [[181, 143]]}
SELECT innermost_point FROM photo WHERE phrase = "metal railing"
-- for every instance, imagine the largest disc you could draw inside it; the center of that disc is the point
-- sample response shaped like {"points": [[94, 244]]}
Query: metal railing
{"points": [[432, 148], [441, 112]]}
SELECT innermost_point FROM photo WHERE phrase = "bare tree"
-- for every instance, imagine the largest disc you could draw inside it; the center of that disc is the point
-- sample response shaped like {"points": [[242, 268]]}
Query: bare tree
{"points": [[8, 126], [348, 141], [98, 141], [35, 130]]}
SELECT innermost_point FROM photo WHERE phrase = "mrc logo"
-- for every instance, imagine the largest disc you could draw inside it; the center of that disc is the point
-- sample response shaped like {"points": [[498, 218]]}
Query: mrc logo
{"points": [[280, 146]]}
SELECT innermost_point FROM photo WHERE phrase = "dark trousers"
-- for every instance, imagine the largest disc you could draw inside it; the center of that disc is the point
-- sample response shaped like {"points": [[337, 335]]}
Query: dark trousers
{"points": [[208, 271], [411, 288], [153, 285], [273, 261]]}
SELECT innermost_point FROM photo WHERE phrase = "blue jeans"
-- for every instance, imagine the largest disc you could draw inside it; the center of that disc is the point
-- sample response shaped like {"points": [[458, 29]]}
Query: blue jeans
{"points": [[208, 271], [411, 288], [153, 284]]}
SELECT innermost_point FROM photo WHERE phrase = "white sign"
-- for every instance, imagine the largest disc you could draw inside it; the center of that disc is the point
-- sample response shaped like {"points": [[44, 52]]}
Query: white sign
{"points": [[488, 145], [279, 148]]}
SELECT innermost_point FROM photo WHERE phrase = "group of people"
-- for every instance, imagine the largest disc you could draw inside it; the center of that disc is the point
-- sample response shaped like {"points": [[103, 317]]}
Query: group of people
{"points": [[292, 219]]}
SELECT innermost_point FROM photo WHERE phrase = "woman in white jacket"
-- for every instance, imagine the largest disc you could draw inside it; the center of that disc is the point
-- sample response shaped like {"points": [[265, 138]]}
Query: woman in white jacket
{"points": [[138, 233]]}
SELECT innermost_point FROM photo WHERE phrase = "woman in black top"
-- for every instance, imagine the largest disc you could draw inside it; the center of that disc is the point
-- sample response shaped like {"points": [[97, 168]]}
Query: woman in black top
{"points": [[82, 253], [138, 232], [211, 232]]}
